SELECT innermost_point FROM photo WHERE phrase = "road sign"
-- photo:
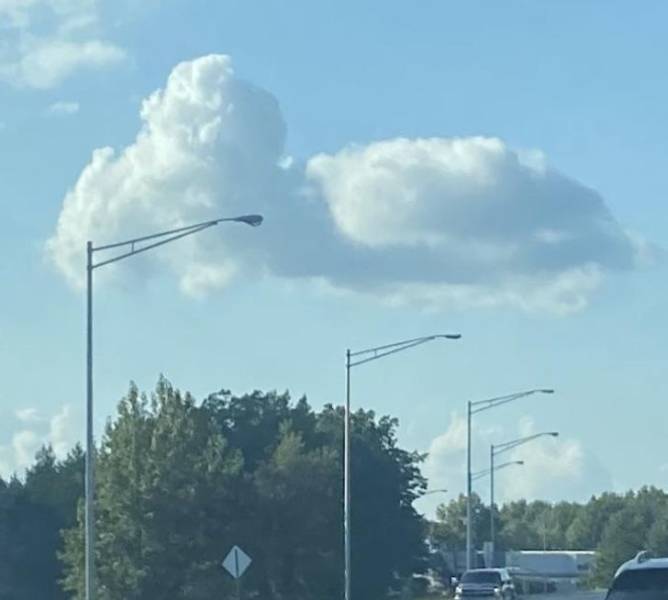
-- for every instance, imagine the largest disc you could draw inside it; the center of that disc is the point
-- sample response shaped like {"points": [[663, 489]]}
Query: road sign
{"points": [[236, 562]]}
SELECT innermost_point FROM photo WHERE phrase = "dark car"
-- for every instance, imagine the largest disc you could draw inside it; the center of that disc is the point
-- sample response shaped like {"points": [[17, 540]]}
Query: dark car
{"points": [[486, 583], [642, 578]]}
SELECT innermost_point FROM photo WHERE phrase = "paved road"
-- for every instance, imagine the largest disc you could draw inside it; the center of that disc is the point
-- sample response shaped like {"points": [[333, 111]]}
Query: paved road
{"points": [[575, 596]]}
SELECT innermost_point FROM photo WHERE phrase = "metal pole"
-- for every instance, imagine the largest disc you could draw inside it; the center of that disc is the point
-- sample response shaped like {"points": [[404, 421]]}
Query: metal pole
{"points": [[491, 501], [468, 490], [545, 582], [90, 444], [346, 483]]}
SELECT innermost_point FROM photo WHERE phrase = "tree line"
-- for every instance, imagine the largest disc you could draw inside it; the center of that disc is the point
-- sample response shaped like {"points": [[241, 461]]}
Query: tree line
{"points": [[180, 482], [617, 526]]}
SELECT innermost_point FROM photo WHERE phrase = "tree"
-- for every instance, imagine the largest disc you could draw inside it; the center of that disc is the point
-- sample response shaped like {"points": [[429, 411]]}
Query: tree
{"points": [[387, 538], [623, 537], [557, 520], [296, 557], [179, 484], [449, 531], [522, 525], [586, 530], [657, 537], [32, 514], [164, 478], [639, 525]]}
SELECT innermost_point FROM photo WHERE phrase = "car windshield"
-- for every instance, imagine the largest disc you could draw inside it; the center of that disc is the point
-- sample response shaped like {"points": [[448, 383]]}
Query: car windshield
{"points": [[643, 584], [481, 577]]}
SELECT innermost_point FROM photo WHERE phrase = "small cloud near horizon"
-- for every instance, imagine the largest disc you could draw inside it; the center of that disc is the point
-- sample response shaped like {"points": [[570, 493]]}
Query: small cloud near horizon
{"points": [[36, 430], [62, 109]]}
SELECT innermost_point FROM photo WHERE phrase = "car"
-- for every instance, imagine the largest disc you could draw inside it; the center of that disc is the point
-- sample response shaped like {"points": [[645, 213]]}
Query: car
{"points": [[486, 583], [643, 578]]}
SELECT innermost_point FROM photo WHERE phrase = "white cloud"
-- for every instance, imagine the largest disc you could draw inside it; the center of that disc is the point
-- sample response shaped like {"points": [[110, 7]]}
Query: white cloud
{"points": [[209, 146], [58, 430], [554, 469], [46, 63], [47, 41], [482, 224], [25, 444], [461, 222], [27, 415], [446, 461], [63, 109], [62, 435]]}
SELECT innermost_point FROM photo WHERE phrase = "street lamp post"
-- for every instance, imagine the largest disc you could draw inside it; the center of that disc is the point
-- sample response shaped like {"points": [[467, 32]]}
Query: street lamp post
{"points": [[473, 409], [132, 247], [490, 472], [354, 359], [494, 451]]}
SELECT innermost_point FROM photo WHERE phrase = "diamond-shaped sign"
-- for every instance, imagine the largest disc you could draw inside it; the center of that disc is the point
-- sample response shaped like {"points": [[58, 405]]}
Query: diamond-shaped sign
{"points": [[236, 562]]}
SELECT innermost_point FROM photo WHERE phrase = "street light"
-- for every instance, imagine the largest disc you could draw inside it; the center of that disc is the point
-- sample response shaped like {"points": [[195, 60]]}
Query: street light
{"points": [[494, 451], [474, 408], [485, 472], [354, 359], [443, 491], [154, 240]]}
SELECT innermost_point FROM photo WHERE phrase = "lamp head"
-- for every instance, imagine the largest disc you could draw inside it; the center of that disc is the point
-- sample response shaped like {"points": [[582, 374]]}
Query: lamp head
{"points": [[252, 220]]}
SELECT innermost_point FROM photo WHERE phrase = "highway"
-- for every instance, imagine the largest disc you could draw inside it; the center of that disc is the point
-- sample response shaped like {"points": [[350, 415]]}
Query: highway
{"points": [[569, 596]]}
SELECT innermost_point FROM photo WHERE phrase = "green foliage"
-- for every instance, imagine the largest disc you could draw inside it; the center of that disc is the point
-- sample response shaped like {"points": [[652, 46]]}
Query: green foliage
{"points": [[617, 526], [450, 527], [32, 514], [388, 541], [586, 529], [639, 524], [179, 484], [657, 537]]}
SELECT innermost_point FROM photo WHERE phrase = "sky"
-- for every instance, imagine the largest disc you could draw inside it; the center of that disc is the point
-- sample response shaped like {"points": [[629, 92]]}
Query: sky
{"points": [[491, 169]]}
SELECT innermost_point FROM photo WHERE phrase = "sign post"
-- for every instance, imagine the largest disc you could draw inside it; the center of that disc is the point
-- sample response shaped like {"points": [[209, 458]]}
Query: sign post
{"points": [[236, 563]]}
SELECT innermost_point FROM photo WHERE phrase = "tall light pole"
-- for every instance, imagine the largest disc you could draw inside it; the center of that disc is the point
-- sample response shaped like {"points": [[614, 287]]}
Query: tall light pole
{"points": [[490, 472], [473, 409], [494, 451], [354, 359], [132, 247]]}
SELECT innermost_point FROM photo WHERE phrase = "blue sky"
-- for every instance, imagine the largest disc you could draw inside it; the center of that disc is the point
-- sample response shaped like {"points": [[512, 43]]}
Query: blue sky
{"points": [[580, 82]]}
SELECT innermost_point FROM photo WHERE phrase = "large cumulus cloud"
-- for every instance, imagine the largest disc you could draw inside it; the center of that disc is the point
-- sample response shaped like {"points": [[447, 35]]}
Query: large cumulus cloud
{"points": [[463, 221], [209, 145], [478, 222]]}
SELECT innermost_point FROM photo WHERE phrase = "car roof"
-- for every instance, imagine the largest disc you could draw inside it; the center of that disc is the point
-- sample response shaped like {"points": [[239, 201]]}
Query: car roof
{"points": [[643, 561], [503, 573], [490, 570]]}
